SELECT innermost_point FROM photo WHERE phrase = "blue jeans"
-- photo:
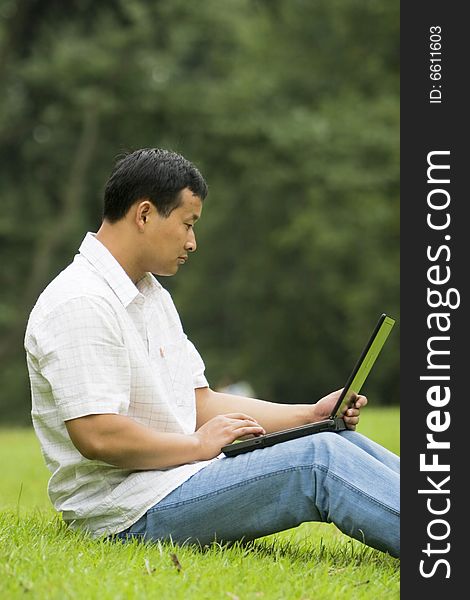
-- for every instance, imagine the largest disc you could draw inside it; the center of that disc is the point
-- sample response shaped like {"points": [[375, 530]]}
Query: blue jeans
{"points": [[342, 478]]}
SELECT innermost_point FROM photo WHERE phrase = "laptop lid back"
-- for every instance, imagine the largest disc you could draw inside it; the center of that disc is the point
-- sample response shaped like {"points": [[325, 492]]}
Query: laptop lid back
{"points": [[365, 363]]}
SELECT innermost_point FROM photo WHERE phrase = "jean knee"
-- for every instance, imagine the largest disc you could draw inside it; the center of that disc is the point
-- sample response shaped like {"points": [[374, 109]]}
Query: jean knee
{"points": [[318, 449], [328, 446]]}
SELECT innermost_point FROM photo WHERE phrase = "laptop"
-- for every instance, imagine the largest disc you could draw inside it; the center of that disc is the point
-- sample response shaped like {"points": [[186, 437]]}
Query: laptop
{"points": [[334, 422]]}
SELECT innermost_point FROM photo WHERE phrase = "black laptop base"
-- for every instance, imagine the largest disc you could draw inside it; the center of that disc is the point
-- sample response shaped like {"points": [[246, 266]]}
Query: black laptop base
{"points": [[270, 439]]}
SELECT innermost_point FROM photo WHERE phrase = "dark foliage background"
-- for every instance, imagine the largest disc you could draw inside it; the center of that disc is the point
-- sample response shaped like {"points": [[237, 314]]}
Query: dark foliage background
{"points": [[290, 110]]}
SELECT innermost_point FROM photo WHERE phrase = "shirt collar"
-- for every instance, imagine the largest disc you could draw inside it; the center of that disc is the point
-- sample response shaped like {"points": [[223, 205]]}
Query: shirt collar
{"points": [[108, 267]]}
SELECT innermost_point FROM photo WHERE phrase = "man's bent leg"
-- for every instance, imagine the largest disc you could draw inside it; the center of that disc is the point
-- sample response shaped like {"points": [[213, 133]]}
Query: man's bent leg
{"points": [[322, 477], [387, 458]]}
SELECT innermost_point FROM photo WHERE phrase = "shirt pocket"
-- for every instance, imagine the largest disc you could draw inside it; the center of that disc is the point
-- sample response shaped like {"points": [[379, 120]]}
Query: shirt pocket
{"points": [[175, 357]]}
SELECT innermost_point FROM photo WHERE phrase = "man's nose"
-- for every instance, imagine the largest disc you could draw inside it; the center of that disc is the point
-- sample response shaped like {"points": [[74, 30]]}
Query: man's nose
{"points": [[191, 244]]}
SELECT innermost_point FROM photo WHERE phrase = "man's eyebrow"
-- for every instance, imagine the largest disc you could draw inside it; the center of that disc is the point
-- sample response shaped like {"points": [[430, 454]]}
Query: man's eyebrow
{"points": [[195, 218]]}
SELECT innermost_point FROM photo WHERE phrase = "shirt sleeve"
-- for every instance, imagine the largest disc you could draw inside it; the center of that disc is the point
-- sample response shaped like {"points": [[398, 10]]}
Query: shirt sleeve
{"points": [[81, 355], [197, 366]]}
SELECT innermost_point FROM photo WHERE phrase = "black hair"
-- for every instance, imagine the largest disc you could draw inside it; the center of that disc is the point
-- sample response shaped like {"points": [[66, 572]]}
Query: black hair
{"points": [[154, 174]]}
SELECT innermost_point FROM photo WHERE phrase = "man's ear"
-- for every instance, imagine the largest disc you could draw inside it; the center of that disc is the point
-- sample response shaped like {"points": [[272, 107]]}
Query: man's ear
{"points": [[143, 210]]}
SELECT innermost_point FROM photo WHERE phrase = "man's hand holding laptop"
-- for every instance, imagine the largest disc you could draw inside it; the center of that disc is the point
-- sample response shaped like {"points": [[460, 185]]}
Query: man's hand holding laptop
{"points": [[323, 408]]}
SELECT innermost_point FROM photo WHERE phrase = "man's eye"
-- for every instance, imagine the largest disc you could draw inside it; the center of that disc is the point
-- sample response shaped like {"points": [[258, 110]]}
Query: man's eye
{"points": [[188, 225]]}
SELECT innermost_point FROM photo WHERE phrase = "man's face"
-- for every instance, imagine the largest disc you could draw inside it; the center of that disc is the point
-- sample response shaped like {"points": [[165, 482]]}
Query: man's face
{"points": [[168, 241]]}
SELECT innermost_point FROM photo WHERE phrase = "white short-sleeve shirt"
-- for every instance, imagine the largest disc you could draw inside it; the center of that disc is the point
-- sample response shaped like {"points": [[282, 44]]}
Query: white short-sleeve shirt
{"points": [[97, 343]]}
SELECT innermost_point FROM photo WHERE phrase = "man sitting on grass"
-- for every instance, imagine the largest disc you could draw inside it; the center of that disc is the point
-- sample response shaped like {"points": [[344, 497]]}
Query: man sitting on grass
{"points": [[128, 425]]}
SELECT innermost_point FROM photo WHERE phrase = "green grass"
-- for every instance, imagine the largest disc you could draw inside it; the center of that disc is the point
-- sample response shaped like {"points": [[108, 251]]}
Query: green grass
{"points": [[41, 559]]}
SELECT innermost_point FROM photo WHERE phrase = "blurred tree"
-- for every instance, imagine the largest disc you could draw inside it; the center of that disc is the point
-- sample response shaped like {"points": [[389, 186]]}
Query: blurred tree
{"points": [[291, 112]]}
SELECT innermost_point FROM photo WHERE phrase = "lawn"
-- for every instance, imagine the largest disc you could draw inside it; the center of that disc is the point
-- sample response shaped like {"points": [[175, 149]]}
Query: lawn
{"points": [[41, 559]]}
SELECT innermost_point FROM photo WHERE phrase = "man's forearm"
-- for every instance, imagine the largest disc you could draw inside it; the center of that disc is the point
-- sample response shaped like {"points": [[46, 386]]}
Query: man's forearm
{"points": [[270, 415], [122, 442]]}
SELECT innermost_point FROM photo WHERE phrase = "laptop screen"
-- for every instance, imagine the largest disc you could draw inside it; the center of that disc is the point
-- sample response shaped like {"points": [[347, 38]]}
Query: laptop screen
{"points": [[365, 363]]}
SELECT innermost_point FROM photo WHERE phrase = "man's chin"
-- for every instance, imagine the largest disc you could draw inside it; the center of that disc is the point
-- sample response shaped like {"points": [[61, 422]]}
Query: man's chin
{"points": [[166, 272]]}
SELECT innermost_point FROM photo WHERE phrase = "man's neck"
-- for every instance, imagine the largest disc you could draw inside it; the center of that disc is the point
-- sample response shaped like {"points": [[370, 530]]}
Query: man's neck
{"points": [[117, 240]]}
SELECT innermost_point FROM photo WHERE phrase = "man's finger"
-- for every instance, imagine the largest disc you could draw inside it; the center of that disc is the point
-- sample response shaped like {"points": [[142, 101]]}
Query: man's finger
{"points": [[360, 401], [239, 416]]}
